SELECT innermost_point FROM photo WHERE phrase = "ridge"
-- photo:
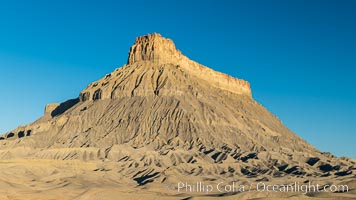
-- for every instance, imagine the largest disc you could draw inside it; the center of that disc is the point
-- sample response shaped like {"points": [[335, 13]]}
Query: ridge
{"points": [[155, 51]]}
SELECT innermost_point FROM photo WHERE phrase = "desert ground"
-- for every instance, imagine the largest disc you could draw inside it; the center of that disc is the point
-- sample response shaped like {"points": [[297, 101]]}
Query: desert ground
{"points": [[79, 180]]}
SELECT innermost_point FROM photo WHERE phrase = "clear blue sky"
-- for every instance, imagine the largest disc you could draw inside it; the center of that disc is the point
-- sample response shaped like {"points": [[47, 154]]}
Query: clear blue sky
{"points": [[299, 56]]}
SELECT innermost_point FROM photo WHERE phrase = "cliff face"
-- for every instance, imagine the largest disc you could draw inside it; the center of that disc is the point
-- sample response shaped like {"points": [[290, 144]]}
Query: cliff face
{"points": [[154, 51], [153, 48], [50, 108]]}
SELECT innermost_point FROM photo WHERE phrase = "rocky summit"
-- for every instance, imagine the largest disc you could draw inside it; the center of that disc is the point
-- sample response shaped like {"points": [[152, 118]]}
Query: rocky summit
{"points": [[162, 119]]}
